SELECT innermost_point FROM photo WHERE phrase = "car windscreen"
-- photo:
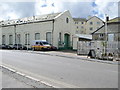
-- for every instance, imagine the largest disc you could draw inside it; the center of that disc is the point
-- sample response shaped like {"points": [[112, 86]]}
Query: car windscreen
{"points": [[45, 43]]}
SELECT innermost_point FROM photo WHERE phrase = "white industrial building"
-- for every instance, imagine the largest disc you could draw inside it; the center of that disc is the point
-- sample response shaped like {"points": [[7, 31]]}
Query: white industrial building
{"points": [[57, 28]]}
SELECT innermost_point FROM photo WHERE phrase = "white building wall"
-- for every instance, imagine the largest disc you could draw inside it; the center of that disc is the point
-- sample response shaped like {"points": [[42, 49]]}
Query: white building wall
{"points": [[8, 31], [60, 25], [42, 28], [63, 27]]}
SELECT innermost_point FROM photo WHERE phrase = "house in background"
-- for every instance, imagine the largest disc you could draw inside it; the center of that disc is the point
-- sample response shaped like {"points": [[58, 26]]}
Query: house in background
{"points": [[87, 26], [109, 32], [93, 23], [80, 24], [113, 32]]}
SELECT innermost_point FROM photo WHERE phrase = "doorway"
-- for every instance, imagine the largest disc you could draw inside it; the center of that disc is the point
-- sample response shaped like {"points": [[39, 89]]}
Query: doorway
{"points": [[66, 41]]}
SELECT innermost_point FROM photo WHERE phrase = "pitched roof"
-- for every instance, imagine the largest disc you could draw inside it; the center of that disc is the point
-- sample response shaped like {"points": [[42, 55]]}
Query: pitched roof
{"points": [[96, 17], [30, 19], [85, 36], [80, 19], [98, 29], [114, 20]]}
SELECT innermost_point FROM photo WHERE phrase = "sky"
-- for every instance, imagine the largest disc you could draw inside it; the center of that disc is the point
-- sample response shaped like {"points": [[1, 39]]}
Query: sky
{"points": [[15, 9]]}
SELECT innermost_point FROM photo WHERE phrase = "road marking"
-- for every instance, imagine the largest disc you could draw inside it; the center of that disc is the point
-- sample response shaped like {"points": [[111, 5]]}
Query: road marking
{"points": [[59, 83]]}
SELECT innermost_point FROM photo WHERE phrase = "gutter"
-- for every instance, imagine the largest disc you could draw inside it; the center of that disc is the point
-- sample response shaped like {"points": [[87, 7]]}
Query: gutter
{"points": [[53, 30], [27, 23]]}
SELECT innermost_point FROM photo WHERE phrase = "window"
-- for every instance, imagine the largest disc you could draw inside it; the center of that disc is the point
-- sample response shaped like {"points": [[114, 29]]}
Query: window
{"points": [[37, 36], [82, 22], [27, 39], [101, 35], [48, 37], [110, 37], [91, 23], [82, 32], [67, 20], [76, 22], [60, 37], [77, 27], [98, 23], [37, 43], [41, 44], [91, 28], [3, 39], [82, 27], [10, 39]]}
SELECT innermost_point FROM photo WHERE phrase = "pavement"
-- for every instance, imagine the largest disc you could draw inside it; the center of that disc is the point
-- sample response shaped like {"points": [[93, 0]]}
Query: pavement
{"points": [[8, 81], [71, 54]]}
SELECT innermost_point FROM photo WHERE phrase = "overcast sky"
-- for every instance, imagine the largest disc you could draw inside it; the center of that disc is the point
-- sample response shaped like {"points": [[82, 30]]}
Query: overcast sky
{"points": [[78, 8]]}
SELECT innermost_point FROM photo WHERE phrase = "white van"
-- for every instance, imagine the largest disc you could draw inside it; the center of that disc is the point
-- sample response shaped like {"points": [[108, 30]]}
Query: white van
{"points": [[41, 45]]}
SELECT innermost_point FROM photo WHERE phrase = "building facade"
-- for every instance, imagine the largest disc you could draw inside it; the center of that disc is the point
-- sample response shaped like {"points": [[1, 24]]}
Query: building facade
{"points": [[87, 26], [109, 31], [110, 34], [80, 24], [93, 24], [57, 29]]}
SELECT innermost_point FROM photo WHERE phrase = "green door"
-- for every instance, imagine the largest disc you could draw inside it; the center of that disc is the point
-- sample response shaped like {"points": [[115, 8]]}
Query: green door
{"points": [[67, 41]]}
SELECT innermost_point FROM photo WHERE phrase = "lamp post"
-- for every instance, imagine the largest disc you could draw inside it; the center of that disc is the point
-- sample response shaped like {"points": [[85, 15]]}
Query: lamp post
{"points": [[106, 35]]}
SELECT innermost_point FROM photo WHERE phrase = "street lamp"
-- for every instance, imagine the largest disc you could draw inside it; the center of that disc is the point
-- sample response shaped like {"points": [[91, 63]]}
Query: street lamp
{"points": [[106, 36]]}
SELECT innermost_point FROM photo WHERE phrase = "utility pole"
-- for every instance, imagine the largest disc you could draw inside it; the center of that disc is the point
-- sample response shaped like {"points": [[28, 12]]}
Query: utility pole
{"points": [[106, 33]]}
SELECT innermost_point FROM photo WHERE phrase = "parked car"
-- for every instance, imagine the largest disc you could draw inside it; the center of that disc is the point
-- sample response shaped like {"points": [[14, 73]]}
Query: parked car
{"points": [[53, 47], [19, 47], [41, 45], [5, 47]]}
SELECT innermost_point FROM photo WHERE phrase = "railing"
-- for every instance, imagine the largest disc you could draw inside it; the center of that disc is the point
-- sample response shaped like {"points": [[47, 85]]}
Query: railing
{"points": [[102, 49]]}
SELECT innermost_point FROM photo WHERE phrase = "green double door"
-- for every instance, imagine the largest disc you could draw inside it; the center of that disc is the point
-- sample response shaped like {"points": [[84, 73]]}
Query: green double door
{"points": [[66, 41]]}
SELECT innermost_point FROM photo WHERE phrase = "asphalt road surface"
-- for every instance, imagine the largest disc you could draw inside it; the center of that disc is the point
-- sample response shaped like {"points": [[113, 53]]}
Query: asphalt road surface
{"points": [[63, 72], [10, 82]]}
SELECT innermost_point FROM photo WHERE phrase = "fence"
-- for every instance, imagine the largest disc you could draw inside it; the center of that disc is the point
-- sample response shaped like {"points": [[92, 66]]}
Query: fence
{"points": [[101, 48]]}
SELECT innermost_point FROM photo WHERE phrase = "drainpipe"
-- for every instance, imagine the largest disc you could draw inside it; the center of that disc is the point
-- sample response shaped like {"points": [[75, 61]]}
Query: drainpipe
{"points": [[53, 30], [15, 32]]}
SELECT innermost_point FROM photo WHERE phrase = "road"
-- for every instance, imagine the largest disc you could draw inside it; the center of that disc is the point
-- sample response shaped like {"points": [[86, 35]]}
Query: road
{"points": [[10, 82], [63, 72]]}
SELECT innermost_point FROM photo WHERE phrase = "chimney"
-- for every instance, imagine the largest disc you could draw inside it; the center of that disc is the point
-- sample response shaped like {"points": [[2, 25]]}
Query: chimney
{"points": [[107, 18]]}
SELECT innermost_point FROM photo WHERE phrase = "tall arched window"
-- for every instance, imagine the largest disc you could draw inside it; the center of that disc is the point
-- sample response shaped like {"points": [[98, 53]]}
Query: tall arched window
{"points": [[48, 37], [67, 20], [3, 39], [10, 39], [37, 36], [27, 39]]}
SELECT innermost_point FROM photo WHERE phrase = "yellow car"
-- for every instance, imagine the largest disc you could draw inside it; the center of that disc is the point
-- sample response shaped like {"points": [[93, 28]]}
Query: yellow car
{"points": [[41, 45]]}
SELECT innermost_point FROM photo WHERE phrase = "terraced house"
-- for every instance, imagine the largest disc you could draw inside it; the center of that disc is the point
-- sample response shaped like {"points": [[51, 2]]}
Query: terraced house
{"points": [[56, 28]]}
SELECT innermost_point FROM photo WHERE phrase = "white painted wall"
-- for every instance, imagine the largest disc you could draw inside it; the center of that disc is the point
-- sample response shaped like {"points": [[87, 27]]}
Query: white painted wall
{"points": [[60, 25], [63, 27], [8, 31]]}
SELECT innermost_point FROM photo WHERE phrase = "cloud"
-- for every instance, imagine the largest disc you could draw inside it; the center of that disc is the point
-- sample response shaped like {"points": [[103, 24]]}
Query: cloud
{"points": [[14, 10], [77, 8], [108, 7]]}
